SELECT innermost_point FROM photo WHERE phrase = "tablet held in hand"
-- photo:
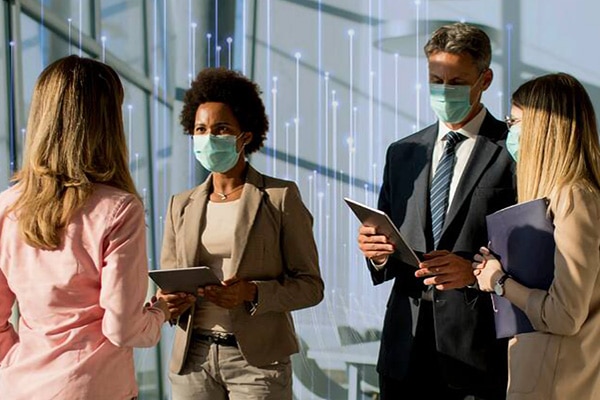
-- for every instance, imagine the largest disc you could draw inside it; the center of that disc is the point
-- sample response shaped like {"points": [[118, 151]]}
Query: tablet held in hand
{"points": [[373, 217], [184, 279]]}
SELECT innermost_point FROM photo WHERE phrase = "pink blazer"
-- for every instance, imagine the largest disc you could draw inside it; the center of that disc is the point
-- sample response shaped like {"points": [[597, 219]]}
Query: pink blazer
{"points": [[81, 306]]}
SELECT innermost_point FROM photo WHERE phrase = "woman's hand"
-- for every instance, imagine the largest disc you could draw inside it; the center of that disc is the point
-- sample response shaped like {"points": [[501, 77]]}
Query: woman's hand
{"points": [[177, 302], [161, 305], [230, 294], [487, 269]]}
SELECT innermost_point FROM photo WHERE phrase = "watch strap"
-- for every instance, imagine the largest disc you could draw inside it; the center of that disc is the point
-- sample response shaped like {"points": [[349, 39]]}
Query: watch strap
{"points": [[503, 279]]}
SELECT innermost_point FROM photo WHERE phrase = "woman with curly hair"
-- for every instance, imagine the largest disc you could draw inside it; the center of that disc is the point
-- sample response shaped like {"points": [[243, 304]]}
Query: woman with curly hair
{"points": [[235, 339], [73, 246]]}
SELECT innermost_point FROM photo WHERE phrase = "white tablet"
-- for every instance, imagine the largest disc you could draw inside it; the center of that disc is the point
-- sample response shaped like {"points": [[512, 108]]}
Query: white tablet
{"points": [[370, 216], [184, 279]]}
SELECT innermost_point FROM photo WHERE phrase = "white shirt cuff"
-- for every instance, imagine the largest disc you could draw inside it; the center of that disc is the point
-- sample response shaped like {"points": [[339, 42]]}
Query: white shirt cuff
{"points": [[378, 267]]}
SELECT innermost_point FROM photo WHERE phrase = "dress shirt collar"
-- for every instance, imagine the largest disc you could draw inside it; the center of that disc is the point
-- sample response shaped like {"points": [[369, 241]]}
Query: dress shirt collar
{"points": [[470, 130]]}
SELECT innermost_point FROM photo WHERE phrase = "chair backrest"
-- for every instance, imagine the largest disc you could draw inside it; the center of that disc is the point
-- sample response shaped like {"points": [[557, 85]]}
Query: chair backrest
{"points": [[349, 335], [314, 378]]}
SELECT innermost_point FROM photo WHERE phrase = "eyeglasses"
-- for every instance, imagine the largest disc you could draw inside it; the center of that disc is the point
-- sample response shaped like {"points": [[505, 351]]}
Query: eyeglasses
{"points": [[510, 121]]}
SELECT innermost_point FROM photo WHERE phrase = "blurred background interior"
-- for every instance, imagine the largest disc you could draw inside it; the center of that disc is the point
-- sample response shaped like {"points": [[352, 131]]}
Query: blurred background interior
{"points": [[341, 80]]}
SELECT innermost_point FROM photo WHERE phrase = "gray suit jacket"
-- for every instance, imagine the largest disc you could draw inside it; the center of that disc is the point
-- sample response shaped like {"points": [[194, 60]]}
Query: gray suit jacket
{"points": [[273, 247]]}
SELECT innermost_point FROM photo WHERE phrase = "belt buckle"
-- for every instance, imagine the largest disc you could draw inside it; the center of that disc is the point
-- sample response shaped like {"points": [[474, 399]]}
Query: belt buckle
{"points": [[221, 337]]}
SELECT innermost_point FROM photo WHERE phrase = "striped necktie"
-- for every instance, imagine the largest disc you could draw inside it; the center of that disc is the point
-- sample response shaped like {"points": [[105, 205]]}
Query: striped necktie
{"points": [[440, 186]]}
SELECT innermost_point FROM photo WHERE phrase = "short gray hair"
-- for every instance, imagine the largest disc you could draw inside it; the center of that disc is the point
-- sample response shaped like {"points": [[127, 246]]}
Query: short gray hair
{"points": [[460, 38]]}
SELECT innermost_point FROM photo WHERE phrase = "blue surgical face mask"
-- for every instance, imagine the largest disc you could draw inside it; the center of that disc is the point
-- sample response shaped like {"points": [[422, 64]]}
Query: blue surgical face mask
{"points": [[451, 103], [512, 141], [216, 153]]}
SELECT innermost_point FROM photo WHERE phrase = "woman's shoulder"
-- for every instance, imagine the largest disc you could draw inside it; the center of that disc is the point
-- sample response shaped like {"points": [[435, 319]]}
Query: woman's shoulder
{"points": [[575, 197], [102, 191], [9, 196], [269, 183], [272, 182], [110, 198]]}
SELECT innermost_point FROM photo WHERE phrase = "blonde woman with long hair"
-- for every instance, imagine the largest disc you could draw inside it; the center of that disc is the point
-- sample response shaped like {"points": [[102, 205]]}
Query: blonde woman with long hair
{"points": [[73, 246], [554, 139]]}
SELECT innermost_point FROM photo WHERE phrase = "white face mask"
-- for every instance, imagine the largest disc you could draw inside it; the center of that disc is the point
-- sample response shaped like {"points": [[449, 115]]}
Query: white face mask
{"points": [[216, 153], [512, 141], [451, 103]]}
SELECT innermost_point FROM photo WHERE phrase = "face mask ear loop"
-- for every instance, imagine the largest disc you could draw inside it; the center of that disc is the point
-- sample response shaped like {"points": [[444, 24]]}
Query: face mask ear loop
{"points": [[243, 144], [478, 79], [477, 83]]}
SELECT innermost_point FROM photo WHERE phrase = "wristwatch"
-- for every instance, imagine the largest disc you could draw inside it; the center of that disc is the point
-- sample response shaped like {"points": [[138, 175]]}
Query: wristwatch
{"points": [[499, 286]]}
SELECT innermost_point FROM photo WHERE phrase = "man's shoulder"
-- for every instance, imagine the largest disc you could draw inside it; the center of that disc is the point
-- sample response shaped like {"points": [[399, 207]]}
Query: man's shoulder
{"points": [[425, 135], [493, 128]]}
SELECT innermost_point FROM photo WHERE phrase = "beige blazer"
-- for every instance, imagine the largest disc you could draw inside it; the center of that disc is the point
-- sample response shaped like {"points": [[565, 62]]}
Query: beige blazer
{"points": [[273, 247], [561, 361]]}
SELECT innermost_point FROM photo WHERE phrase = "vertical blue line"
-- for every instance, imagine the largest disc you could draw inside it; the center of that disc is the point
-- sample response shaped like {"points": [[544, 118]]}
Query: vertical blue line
{"points": [[217, 61], [12, 123], [508, 96], [243, 36], [379, 109], [268, 77], [319, 89], [165, 108], [42, 37]]}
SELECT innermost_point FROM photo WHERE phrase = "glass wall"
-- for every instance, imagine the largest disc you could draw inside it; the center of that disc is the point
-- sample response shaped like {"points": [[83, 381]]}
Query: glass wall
{"points": [[341, 79]]}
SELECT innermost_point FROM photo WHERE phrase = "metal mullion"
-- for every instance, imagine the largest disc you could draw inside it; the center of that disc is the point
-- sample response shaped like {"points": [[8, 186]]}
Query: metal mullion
{"points": [[96, 18], [151, 193]]}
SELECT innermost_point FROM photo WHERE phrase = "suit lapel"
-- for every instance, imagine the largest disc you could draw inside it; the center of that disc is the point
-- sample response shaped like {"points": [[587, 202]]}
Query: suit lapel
{"points": [[250, 203], [421, 184], [482, 155], [194, 221]]}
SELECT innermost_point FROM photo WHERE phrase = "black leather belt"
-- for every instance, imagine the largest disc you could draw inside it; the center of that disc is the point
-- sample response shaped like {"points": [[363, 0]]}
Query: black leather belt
{"points": [[220, 338]]}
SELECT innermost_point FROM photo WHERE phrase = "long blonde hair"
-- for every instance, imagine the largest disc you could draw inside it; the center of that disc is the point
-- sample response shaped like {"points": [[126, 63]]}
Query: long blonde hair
{"points": [[74, 138], [559, 141]]}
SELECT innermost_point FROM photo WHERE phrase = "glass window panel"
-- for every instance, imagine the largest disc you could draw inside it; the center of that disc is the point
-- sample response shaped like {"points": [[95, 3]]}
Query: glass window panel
{"points": [[75, 13], [122, 26], [38, 48], [135, 119]]}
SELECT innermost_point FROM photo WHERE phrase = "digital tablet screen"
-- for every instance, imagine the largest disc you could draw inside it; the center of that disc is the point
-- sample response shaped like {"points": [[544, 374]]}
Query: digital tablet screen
{"points": [[370, 216], [184, 279]]}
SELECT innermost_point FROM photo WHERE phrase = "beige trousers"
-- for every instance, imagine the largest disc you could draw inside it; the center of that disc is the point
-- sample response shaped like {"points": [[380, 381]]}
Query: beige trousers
{"points": [[216, 372]]}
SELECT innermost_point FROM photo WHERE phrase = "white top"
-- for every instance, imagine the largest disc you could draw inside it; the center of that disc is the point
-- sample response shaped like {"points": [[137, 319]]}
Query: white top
{"points": [[463, 149], [216, 249]]}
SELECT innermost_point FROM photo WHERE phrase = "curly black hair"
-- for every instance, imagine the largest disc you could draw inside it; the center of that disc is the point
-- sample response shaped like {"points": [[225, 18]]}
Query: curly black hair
{"points": [[222, 85]]}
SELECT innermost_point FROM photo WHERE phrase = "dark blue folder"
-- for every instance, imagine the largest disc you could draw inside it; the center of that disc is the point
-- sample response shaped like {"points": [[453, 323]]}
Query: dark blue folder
{"points": [[522, 236]]}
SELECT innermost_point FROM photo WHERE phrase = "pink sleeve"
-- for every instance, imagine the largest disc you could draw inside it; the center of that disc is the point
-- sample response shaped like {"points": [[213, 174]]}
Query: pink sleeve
{"points": [[8, 336], [124, 282]]}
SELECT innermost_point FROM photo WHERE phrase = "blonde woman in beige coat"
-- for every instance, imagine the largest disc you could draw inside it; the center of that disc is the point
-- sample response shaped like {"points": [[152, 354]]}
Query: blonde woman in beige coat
{"points": [[558, 157]]}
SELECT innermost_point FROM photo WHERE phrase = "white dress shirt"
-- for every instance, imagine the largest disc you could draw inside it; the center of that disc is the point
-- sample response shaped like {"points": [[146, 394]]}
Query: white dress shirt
{"points": [[463, 149]]}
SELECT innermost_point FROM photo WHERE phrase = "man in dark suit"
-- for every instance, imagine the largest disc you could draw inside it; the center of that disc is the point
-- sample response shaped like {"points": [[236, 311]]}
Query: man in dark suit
{"points": [[438, 338]]}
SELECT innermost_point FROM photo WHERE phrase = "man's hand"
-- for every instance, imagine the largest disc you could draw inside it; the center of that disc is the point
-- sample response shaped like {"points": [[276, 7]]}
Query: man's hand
{"points": [[176, 302], [374, 246], [445, 270], [230, 294]]}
